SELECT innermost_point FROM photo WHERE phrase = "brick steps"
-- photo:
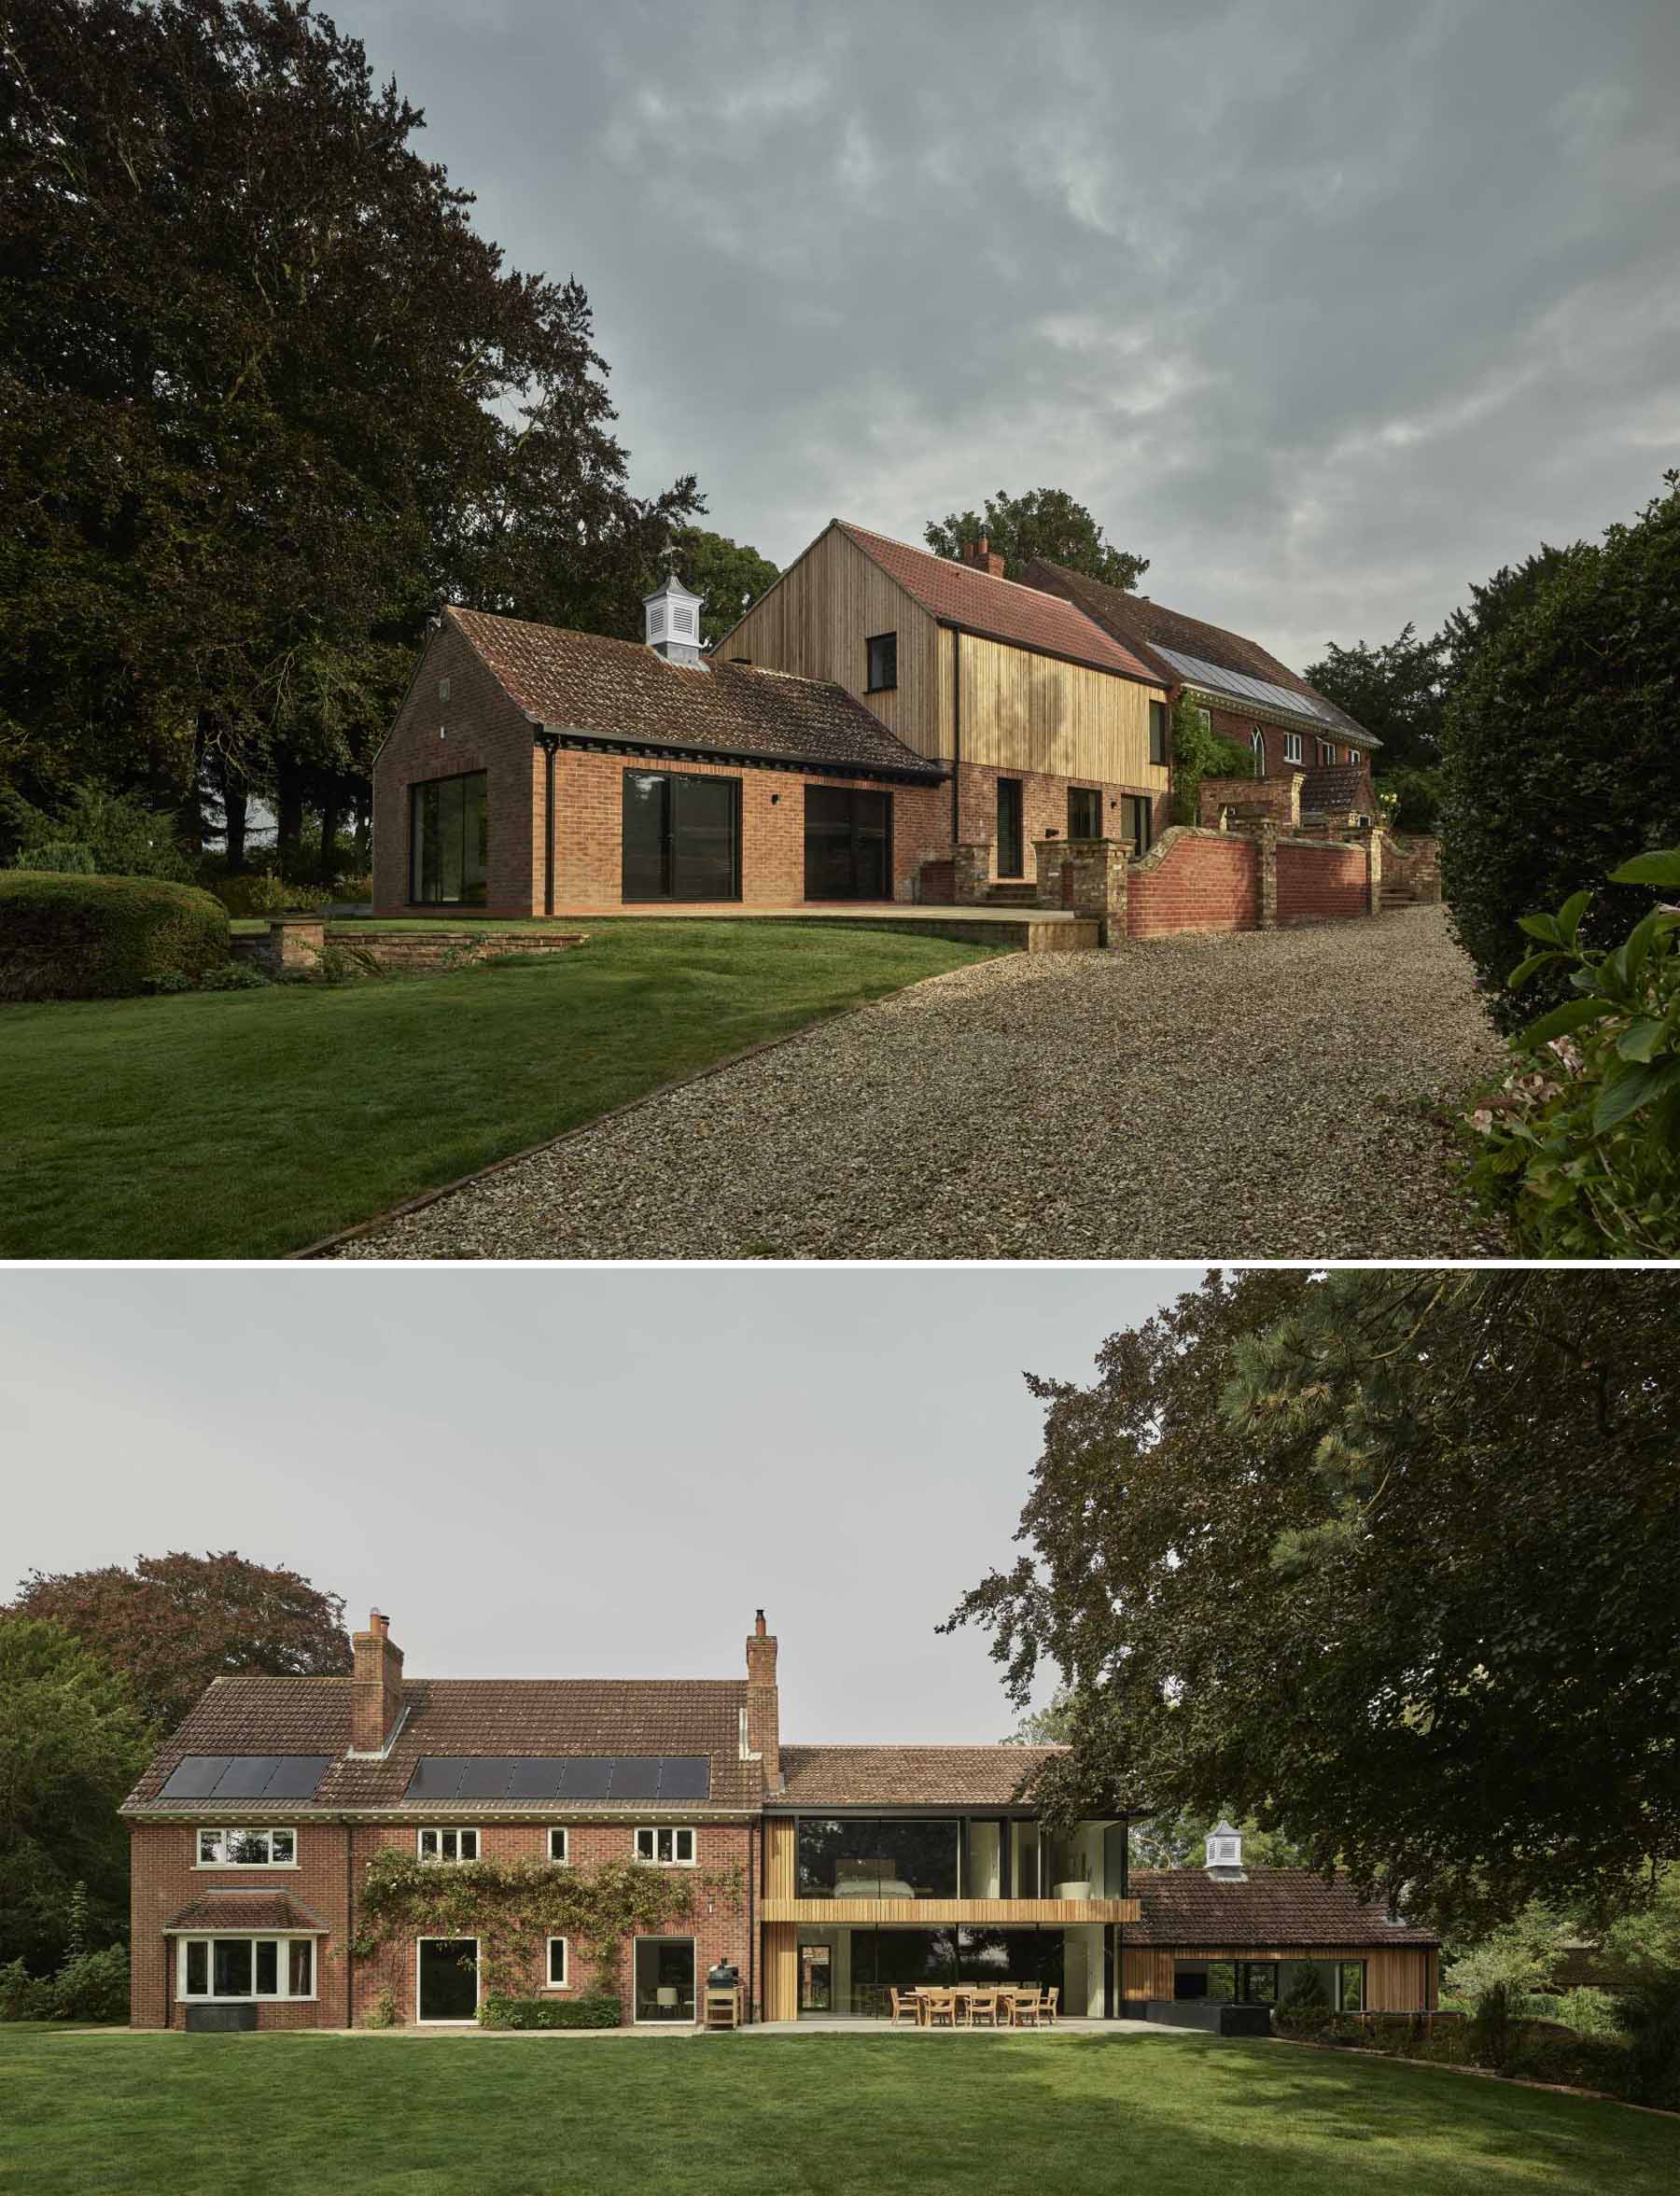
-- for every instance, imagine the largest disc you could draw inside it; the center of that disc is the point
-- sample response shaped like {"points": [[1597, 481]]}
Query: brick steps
{"points": [[1012, 895]]}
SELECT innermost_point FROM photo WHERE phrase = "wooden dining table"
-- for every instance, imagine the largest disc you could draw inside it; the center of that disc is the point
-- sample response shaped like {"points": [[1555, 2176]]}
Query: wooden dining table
{"points": [[1006, 1993]]}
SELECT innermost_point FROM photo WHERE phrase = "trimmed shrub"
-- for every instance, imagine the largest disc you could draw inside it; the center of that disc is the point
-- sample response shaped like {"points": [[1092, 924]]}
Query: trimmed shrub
{"points": [[65, 857], [584, 2012], [80, 937], [1558, 752], [257, 893]]}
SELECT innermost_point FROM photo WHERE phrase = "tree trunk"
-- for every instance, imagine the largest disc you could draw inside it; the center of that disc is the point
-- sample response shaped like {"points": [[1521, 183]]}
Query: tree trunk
{"points": [[289, 815], [235, 805], [331, 808]]}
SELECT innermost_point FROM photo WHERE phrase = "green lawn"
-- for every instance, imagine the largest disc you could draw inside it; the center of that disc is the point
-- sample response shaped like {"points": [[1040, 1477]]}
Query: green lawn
{"points": [[245, 1123], [742, 2115]]}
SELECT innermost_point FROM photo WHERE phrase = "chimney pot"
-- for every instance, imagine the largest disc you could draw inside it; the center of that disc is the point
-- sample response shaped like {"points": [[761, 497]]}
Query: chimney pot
{"points": [[380, 1623], [758, 1624]]}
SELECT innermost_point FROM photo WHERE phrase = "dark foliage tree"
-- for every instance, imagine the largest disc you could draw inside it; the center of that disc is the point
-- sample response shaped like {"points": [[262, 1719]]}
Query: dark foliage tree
{"points": [[730, 574], [72, 1742], [1494, 603], [1395, 691], [264, 395], [174, 1623], [1384, 1561], [1045, 522], [1560, 758]]}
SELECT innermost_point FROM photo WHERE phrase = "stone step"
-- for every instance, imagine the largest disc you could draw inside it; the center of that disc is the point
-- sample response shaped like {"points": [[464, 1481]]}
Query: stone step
{"points": [[1012, 895]]}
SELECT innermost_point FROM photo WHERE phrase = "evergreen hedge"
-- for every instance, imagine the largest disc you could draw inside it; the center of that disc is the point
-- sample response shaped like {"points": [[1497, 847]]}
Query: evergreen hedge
{"points": [[583, 2012], [90, 937]]}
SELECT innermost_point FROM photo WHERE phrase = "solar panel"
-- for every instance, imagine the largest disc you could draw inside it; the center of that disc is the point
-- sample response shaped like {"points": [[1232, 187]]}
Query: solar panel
{"points": [[196, 1777], [635, 1777], [1201, 673], [435, 1777], [685, 1776], [587, 1777], [246, 1776], [534, 1779], [485, 1779], [296, 1776]]}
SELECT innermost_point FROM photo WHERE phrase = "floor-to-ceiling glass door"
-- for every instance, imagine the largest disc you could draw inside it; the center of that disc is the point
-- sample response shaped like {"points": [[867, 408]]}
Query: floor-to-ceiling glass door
{"points": [[1012, 843], [682, 836], [664, 1979], [447, 1978], [847, 844]]}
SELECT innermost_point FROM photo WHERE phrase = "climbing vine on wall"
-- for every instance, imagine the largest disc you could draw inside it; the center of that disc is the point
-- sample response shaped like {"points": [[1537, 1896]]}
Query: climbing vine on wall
{"points": [[511, 1907]]}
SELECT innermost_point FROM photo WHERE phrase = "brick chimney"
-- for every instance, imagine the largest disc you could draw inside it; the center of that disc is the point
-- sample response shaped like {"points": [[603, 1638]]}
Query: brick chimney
{"points": [[983, 556], [377, 1701], [763, 1712]]}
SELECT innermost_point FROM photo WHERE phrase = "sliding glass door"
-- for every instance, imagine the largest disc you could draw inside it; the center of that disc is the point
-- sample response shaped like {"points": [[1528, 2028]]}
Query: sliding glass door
{"points": [[847, 844], [682, 836]]}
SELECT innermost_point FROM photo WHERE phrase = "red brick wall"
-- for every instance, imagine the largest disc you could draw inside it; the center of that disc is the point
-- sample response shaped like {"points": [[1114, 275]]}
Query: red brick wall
{"points": [[1194, 881], [1232, 725], [478, 728], [165, 1880], [589, 793], [1315, 883], [1044, 809]]}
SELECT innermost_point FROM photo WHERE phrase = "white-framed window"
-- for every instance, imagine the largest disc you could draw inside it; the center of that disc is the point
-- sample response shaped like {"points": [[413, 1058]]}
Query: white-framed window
{"points": [[1292, 746], [1349, 754], [449, 1845], [247, 1849], [559, 1845], [1326, 751], [1257, 748], [559, 1963], [232, 1970], [669, 1849]]}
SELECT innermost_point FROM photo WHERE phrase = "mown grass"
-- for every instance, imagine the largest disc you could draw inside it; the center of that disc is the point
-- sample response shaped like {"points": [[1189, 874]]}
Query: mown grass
{"points": [[91, 2114], [247, 1124]]}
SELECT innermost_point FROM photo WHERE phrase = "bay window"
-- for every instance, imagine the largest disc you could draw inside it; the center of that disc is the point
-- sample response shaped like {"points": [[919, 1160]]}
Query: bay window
{"points": [[237, 1970]]}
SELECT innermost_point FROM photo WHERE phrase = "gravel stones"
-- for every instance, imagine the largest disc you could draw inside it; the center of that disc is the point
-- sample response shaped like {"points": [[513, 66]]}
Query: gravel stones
{"points": [[1270, 1094]]}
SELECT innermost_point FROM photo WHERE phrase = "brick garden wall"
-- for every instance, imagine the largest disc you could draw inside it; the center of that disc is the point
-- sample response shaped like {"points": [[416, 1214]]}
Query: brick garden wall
{"points": [[1316, 883], [165, 1880], [1193, 880], [1044, 807]]}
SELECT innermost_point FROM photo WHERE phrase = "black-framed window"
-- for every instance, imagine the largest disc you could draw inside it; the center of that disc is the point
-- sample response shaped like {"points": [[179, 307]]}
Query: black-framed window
{"points": [[1139, 822], [1157, 731], [858, 1857], [847, 844], [1084, 813], [449, 841], [882, 650], [682, 836]]}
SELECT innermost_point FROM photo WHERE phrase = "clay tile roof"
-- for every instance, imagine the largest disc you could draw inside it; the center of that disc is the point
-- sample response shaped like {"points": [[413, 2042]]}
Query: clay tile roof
{"points": [[1275, 1907], [908, 1776], [1145, 626], [247, 1910], [999, 609], [620, 690], [498, 1716]]}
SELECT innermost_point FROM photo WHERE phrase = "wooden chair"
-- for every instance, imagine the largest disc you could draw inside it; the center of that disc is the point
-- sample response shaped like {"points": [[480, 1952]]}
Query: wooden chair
{"points": [[983, 2009], [1028, 2005], [1052, 1999], [939, 2005], [905, 2004]]}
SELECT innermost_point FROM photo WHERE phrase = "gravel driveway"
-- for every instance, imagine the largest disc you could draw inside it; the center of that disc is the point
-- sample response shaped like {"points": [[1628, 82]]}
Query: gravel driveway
{"points": [[1264, 1095]]}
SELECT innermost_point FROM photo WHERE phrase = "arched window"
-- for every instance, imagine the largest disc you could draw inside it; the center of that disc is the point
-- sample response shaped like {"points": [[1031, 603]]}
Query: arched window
{"points": [[1257, 742]]}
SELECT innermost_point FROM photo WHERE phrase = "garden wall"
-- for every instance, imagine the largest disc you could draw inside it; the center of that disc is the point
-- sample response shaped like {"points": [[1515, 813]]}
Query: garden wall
{"points": [[1318, 883], [1194, 880]]}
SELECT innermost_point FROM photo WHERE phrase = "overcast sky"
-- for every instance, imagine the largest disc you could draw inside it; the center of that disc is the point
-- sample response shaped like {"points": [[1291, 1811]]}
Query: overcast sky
{"points": [[1328, 306], [586, 1472]]}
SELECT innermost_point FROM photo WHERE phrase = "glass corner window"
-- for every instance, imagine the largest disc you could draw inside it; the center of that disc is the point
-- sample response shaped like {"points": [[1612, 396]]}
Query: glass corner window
{"points": [[449, 841]]}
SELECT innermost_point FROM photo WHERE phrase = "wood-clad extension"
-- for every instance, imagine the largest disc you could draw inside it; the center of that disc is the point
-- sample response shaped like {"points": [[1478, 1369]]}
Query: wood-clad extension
{"points": [[779, 1887], [1032, 713], [942, 1912], [781, 1972], [1399, 1979]]}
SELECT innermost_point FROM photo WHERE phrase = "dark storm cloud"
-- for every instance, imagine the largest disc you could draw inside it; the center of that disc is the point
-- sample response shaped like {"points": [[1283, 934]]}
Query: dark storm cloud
{"points": [[1327, 309]]}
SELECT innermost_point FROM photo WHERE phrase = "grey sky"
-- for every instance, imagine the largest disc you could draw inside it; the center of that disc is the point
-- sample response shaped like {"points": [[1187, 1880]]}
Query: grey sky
{"points": [[593, 1472], [1328, 306]]}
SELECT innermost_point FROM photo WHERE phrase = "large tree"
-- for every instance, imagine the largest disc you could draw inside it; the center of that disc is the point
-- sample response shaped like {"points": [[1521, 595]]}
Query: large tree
{"points": [[1384, 1560], [730, 574], [174, 1623], [1395, 691], [72, 1743], [264, 395], [1045, 522]]}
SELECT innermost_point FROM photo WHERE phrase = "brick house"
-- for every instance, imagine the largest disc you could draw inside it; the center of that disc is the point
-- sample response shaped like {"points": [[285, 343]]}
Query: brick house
{"points": [[878, 722], [829, 1875], [1248, 696]]}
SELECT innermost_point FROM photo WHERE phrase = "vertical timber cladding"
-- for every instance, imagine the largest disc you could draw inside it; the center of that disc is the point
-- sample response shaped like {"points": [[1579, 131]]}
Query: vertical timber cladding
{"points": [[782, 1971], [815, 621], [1036, 713], [1399, 1979], [778, 1857]]}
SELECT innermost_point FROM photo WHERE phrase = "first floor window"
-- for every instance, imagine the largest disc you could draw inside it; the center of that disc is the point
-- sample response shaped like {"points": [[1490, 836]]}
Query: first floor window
{"points": [[1292, 746], [556, 1967], [449, 1845], [247, 1849], [1257, 748], [682, 836], [1157, 731], [559, 1846], [1326, 751], [883, 660], [450, 857], [673, 1848], [246, 1968]]}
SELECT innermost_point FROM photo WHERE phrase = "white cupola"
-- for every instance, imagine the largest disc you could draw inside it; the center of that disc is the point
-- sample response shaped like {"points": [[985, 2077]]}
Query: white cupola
{"points": [[1225, 1854], [673, 615]]}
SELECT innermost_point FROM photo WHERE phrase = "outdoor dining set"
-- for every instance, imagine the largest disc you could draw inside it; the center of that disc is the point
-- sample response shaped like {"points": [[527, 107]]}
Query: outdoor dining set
{"points": [[965, 2005]]}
